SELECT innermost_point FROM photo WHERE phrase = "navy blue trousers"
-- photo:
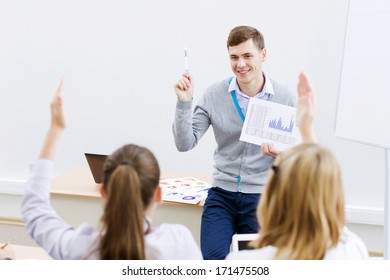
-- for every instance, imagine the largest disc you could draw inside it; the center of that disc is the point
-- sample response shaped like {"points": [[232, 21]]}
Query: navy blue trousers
{"points": [[224, 214]]}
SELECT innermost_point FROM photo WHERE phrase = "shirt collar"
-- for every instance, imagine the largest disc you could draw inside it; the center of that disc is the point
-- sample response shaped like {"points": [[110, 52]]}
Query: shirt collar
{"points": [[267, 89]]}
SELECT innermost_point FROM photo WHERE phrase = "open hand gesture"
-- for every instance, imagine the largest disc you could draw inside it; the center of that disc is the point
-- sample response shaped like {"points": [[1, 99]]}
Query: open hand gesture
{"points": [[305, 109]]}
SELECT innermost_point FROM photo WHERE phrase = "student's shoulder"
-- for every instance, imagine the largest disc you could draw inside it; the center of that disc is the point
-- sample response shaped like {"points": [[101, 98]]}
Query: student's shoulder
{"points": [[174, 230], [172, 233], [350, 246], [354, 239], [172, 241]]}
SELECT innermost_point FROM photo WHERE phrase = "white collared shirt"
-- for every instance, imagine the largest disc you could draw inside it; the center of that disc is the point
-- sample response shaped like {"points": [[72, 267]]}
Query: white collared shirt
{"points": [[243, 99]]}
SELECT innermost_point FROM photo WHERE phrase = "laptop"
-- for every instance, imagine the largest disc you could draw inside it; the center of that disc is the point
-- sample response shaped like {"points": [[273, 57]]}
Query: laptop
{"points": [[240, 241], [96, 162]]}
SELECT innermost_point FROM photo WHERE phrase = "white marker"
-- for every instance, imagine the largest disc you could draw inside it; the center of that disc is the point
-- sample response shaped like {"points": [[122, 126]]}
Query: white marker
{"points": [[186, 57]]}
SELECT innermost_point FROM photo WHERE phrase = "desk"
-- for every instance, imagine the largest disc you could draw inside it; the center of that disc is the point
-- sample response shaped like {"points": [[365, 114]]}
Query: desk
{"points": [[79, 182], [76, 198], [29, 252]]}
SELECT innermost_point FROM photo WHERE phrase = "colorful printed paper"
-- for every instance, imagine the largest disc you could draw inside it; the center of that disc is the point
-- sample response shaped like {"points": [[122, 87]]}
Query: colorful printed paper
{"points": [[184, 190]]}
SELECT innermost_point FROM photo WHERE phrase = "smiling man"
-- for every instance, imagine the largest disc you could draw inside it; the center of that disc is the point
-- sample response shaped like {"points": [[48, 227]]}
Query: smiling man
{"points": [[240, 169]]}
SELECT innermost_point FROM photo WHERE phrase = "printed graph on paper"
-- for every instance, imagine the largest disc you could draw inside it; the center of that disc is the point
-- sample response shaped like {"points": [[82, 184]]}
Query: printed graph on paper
{"points": [[269, 122]]}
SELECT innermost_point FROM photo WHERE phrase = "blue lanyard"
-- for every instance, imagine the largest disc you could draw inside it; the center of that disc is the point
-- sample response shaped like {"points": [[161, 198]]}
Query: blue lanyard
{"points": [[234, 97]]}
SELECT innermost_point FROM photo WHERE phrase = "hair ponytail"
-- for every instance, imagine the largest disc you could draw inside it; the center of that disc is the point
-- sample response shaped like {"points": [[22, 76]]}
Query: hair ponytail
{"points": [[131, 176], [123, 217]]}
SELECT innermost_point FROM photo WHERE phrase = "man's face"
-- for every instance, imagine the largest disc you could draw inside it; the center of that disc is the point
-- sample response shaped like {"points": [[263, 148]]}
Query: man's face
{"points": [[246, 61]]}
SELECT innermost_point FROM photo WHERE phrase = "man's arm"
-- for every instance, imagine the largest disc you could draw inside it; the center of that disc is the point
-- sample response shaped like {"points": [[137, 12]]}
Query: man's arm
{"points": [[188, 127]]}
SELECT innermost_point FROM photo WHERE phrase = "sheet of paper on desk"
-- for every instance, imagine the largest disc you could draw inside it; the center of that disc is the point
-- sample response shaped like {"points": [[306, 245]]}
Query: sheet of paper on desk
{"points": [[184, 190], [269, 122]]}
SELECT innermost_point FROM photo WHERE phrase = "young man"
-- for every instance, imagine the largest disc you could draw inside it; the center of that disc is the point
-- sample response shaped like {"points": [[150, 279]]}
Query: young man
{"points": [[240, 168]]}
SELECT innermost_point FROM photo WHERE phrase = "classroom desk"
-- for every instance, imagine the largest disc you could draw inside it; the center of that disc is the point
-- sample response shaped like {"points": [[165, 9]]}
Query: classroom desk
{"points": [[29, 253], [76, 198]]}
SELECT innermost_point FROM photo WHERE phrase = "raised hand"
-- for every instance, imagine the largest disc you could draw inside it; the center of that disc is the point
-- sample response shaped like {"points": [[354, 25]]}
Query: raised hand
{"points": [[57, 112], [57, 125], [305, 109], [184, 87]]}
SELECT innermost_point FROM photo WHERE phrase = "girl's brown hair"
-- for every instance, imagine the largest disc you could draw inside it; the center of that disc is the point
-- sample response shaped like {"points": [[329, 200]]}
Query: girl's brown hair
{"points": [[131, 177]]}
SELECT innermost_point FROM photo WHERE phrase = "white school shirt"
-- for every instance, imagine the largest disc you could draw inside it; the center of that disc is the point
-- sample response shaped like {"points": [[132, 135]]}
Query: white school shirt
{"points": [[349, 247], [62, 241]]}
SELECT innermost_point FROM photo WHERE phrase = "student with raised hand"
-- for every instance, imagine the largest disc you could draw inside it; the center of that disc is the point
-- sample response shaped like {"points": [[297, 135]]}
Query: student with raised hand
{"points": [[131, 193], [302, 209]]}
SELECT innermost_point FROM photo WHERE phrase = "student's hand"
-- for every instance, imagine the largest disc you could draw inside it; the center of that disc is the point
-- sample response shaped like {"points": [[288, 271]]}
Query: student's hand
{"points": [[305, 109], [184, 87], [7, 252], [57, 112], [269, 149], [57, 125]]}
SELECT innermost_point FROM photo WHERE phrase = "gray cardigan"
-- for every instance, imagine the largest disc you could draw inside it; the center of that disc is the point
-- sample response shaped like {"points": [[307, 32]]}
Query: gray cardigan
{"points": [[238, 166]]}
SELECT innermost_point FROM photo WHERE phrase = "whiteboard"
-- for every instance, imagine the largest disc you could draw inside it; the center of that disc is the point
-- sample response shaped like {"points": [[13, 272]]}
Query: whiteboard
{"points": [[120, 60], [363, 112]]}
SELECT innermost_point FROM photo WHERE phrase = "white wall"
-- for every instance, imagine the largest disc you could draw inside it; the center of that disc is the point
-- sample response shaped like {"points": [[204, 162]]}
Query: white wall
{"points": [[121, 58]]}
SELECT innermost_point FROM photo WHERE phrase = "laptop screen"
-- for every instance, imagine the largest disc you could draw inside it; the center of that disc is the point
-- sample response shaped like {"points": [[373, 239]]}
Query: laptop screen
{"points": [[96, 162]]}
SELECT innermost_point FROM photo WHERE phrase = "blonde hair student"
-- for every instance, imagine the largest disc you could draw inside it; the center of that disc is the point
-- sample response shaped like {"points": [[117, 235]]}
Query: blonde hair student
{"points": [[131, 193], [302, 209]]}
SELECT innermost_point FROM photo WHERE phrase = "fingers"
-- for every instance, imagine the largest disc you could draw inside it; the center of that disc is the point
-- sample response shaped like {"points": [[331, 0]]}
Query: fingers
{"points": [[269, 150], [60, 86], [185, 82], [57, 98], [305, 91], [306, 100], [305, 109], [57, 114], [58, 94], [304, 87], [184, 87], [188, 76]]}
